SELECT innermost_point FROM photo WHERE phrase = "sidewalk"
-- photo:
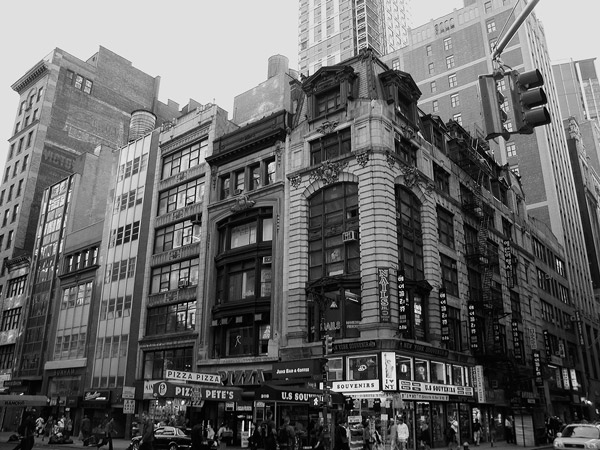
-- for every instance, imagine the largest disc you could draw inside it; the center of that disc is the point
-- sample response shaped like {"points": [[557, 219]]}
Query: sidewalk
{"points": [[122, 444]]}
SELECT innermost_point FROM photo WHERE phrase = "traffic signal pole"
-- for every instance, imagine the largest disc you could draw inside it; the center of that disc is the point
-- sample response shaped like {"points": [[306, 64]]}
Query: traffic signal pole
{"points": [[513, 29]]}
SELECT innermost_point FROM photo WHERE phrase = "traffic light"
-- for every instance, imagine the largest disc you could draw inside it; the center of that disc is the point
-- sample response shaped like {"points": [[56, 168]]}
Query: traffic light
{"points": [[493, 106], [324, 368], [528, 99], [327, 345]]}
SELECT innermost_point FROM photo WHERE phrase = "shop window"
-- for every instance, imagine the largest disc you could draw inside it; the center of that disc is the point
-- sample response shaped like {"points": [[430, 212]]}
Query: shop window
{"points": [[363, 367], [421, 370]]}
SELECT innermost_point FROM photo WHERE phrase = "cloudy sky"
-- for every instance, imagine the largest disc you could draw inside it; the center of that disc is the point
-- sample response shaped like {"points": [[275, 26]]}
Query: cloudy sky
{"points": [[201, 48]]}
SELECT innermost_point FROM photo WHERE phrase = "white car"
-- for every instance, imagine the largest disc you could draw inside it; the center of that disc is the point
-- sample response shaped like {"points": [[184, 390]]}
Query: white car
{"points": [[578, 435]]}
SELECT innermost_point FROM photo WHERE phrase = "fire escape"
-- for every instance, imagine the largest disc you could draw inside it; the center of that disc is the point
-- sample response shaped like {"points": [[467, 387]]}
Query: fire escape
{"points": [[471, 155]]}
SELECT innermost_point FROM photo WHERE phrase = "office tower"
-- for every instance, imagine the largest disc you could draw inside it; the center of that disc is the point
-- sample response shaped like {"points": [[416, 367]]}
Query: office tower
{"points": [[446, 57], [578, 89], [334, 30]]}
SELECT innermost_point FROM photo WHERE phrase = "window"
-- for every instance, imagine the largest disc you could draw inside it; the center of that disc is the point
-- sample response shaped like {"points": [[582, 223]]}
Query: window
{"points": [[14, 213], [457, 118], [40, 93], [333, 212], [17, 126], [454, 100], [493, 43], [441, 178], [330, 146], [328, 101], [78, 295], [10, 319], [448, 43], [452, 80], [433, 87], [396, 64], [511, 149], [29, 139], [184, 159], [435, 106], [428, 50], [449, 274], [450, 62], [174, 276], [78, 81], [406, 152], [9, 239], [445, 227], [177, 235], [16, 286], [25, 160], [410, 237], [87, 86], [487, 6], [491, 26], [430, 69], [180, 196], [177, 318], [157, 362]]}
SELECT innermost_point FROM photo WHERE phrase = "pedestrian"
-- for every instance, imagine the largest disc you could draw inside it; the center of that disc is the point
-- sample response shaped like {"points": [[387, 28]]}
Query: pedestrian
{"points": [[26, 432], [39, 426], [147, 432], [367, 436], [196, 436], [403, 433], [286, 435], [341, 436], [476, 432], [109, 429], [86, 430], [48, 428], [221, 435], [508, 435], [269, 432], [425, 436], [492, 431], [451, 430]]}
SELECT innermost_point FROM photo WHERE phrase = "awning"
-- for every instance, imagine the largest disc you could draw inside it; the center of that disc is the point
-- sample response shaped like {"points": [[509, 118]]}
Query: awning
{"points": [[23, 400]]}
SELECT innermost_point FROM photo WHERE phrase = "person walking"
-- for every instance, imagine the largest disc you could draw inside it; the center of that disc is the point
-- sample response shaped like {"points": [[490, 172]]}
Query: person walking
{"points": [[393, 435], [26, 432], [86, 430], [109, 429], [367, 436], [451, 431], [270, 432], [477, 432], [147, 432], [425, 436], [341, 437], [508, 428], [196, 436], [403, 434]]}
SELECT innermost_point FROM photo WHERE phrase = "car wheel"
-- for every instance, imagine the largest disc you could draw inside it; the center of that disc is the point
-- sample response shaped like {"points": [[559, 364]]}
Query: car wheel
{"points": [[173, 447]]}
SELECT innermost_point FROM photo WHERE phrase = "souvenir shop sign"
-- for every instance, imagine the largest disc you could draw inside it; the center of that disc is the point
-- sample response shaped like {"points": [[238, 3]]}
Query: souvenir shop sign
{"points": [[383, 287], [187, 391], [286, 394], [433, 388]]}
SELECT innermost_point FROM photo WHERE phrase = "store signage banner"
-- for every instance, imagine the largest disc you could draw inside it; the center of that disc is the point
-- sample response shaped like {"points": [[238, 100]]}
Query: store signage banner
{"points": [[433, 388], [388, 369], [194, 377], [444, 315], [402, 307], [383, 287]]}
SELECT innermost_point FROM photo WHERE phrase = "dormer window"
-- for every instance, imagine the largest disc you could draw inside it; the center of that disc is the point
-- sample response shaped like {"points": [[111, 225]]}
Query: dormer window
{"points": [[329, 90]]}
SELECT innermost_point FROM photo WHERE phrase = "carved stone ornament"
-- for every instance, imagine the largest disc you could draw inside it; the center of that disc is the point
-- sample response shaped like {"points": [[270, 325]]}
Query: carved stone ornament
{"points": [[278, 151], [295, 181], [390, 159], [327, 126], [328, 172], [362, 159], [241, 203], [407, 131], [214, 171]]}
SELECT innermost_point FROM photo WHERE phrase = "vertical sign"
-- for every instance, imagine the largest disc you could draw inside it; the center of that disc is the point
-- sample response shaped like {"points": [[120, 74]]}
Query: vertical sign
{"points": [[388, 370], [444, 314], [478, 381], [574, 382], [402, 309], [537, 368], [473, 326], [383, 284], [508, 263], [516, 340], [547, 345], [566, 378], [579, 327], [532, 338]]}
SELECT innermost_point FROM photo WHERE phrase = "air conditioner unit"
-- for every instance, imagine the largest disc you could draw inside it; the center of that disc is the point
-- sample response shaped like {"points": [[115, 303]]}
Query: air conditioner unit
{"points": [[547, 277], [183, 284], [348, 236], [238, 191], [267, 259]]}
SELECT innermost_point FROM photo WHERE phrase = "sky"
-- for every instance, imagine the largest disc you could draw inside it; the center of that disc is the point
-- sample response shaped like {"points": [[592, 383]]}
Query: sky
{"points": [[207, 50]]}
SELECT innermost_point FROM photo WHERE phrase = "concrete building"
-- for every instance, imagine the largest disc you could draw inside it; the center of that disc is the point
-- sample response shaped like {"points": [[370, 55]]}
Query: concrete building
{"points": [[67, 107], [334, 30], [578, 89], [445, 57]]}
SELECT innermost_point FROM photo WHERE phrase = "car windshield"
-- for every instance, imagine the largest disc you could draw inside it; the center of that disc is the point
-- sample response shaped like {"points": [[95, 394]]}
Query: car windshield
{"points": [[583, 432]]}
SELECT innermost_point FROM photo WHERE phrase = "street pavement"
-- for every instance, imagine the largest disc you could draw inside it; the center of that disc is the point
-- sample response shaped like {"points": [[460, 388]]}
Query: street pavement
{"points": [[122, 444]]}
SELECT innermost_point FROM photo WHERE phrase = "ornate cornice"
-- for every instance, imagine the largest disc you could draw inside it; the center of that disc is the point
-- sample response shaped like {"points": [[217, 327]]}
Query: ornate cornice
{"points": [[33, 74]]}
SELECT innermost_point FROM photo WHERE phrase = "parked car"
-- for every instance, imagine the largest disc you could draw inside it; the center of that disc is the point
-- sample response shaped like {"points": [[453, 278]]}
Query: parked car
{"points": [[165, 438], [578, 435]]}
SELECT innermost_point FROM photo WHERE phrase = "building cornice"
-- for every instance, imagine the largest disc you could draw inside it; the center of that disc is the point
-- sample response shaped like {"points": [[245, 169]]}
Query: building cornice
{"points": [[33, 74]]}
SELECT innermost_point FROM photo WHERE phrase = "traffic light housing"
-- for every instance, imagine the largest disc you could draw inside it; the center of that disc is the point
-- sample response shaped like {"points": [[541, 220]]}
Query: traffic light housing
{"points": [[327, 345], [324, 367], [493, 106], [528, 99]]}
